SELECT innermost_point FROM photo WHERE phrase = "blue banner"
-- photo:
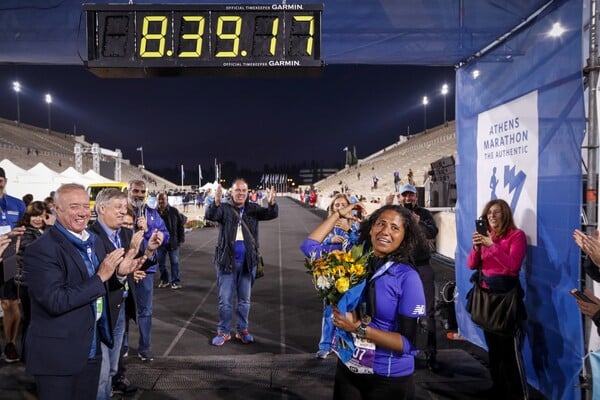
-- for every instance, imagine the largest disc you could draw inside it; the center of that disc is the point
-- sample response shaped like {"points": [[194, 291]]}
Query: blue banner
{"points": [[520, 126]]}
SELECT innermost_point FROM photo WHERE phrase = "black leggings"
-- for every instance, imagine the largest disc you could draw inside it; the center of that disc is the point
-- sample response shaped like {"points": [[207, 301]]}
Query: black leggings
{"points": [[506, 365], [351, 386]]}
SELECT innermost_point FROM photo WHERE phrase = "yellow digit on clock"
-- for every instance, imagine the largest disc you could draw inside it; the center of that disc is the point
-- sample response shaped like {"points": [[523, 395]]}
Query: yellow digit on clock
{"points": [[194, 36], [229, 36], [311, 31], [153, 36]]}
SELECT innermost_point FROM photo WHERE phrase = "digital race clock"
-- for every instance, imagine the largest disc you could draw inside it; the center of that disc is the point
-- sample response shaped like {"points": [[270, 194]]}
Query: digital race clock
{"points": [[160, 36]]}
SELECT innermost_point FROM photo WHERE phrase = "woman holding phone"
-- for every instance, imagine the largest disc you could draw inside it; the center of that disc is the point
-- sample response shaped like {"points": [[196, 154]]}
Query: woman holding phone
{"points": [[498, 254]]}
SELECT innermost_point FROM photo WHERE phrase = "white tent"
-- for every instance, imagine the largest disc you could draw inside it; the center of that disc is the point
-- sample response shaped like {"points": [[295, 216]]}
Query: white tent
{"points": [[41, 169], [37, 174], [72, 172], [40, 180], [72, 175], [94, 176], [10, 169], [209, 185]]}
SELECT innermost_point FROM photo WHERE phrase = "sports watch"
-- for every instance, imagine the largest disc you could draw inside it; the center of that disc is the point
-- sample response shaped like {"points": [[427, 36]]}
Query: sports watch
{"points": [[361, 331]]}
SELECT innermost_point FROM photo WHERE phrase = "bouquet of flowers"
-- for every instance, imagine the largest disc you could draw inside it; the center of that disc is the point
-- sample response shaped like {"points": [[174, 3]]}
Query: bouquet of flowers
{"points": [[338, 271]]}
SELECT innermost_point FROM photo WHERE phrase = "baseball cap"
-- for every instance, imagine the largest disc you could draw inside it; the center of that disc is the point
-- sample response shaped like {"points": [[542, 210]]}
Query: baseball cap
{"points": [[407, 188]]}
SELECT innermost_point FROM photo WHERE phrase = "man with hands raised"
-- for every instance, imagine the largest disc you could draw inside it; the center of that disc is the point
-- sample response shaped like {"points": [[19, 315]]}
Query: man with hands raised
{"points": [[236, 255]]}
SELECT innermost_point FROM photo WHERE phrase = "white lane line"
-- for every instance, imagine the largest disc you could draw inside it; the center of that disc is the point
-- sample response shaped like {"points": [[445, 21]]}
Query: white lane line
{"points": [[198, 308], [281, 306]]}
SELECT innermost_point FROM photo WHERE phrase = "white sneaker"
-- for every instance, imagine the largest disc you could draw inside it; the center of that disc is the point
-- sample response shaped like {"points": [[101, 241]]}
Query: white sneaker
{"points": [[322, 354]]}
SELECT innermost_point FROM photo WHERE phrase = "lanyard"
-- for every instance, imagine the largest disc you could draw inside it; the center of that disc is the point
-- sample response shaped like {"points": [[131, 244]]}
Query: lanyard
{"points": [[3, 208], [381, 270], [99, 303]]}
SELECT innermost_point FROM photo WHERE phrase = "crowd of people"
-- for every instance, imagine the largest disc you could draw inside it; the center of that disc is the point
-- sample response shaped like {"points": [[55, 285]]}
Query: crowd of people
{"points": [[76, 286]]}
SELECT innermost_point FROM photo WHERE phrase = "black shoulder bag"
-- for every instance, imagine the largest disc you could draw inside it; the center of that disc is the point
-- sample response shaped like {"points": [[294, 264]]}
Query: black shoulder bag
{"points": [[494, 312]]}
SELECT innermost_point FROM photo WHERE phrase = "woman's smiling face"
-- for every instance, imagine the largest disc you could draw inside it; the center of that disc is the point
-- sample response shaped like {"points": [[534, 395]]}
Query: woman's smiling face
{"points": [[387, 233], [494, 217]]}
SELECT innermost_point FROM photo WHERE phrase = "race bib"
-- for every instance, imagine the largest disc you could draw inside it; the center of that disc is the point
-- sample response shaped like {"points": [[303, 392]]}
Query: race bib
{"points": [[363, 356]]}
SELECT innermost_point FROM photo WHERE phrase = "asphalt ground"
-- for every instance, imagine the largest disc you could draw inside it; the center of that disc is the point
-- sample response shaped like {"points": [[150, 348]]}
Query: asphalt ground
{"points": [[285, 319]]}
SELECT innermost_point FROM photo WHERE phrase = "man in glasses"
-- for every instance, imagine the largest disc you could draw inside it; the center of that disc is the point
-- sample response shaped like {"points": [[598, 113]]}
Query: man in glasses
{"points": [[149, 221]]}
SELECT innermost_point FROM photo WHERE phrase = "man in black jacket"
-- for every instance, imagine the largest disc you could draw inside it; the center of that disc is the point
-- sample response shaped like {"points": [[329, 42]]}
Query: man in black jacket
{"points": [[174, 223], [407, 197], [236, 256]]}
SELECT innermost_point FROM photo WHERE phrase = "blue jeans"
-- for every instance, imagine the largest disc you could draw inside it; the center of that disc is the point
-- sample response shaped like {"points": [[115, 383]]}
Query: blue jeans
{"points": [[161, 255], [237, 282], [144, 290], [327, 328], [110, 357]]}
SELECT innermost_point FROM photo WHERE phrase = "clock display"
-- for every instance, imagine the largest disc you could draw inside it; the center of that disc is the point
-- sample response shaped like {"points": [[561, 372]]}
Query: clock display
{"points": [[201, 35]]}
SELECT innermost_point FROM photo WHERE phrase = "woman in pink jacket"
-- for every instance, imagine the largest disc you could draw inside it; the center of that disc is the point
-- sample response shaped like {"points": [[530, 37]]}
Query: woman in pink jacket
{"points": [[500, 252]]}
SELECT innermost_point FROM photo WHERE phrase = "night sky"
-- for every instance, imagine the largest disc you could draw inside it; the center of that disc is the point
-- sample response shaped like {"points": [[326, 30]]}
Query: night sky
{"points": [[252, 122]]}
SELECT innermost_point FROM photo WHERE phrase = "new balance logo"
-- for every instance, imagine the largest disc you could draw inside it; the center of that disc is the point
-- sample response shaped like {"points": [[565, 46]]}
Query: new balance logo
{"points": [[419, 309]]}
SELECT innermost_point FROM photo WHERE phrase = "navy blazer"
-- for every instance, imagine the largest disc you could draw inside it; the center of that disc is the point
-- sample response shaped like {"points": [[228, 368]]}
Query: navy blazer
{"points": [[114, 288], [63, 317]]}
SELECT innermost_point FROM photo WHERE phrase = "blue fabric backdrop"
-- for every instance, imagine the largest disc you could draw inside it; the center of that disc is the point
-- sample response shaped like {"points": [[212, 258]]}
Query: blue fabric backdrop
{"points": [[533, 62]]}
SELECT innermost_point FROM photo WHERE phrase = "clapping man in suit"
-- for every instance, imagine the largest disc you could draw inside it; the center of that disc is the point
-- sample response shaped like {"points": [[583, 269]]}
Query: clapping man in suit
{"points": [[68, 313]]}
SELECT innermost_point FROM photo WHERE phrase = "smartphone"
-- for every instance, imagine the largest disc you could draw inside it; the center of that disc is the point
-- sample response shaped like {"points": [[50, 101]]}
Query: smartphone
{"points": [[481, 226], [580, 295]]}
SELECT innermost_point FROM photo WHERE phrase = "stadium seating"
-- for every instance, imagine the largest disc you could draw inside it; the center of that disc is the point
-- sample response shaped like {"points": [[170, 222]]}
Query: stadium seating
{"points": [[27, 145], [417, 152]]}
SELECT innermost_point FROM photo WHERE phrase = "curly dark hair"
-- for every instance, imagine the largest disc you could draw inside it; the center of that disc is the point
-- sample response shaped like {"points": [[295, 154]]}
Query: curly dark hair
{"points": [[414, 240]]}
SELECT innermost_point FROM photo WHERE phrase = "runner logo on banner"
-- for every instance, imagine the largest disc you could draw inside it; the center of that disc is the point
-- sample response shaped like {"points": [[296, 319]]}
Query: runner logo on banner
{"points": [[507, 159]]}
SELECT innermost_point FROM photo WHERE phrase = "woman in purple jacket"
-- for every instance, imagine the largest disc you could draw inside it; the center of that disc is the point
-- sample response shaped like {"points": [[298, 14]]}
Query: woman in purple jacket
{"points": [[382, 366]]}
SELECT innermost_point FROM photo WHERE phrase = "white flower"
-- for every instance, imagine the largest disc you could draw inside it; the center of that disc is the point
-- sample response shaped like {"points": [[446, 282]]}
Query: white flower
{"points": [[323, 283]]}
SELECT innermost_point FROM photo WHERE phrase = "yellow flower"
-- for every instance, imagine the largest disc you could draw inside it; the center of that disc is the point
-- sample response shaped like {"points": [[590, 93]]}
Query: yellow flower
{"points": [[357, 269], [339, 270], [337, 254], [336, 272], [342, 284], [347, 257], [321, 264]]}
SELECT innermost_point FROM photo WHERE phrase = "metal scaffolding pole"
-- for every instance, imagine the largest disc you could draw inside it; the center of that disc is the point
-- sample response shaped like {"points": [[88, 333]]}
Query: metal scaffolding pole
{"points": [[591, 194], [592, 125]]}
